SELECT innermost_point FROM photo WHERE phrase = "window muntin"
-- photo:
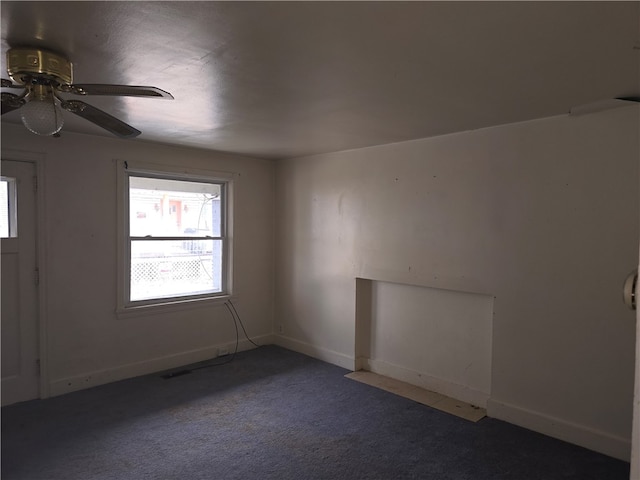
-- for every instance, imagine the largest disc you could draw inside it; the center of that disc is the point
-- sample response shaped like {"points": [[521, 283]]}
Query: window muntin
{"points": [[176, 238], [8, 208]]}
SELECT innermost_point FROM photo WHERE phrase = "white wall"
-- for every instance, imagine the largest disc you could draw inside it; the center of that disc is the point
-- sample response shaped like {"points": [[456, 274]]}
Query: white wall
{"points": [[543, 215], [86, 343]]}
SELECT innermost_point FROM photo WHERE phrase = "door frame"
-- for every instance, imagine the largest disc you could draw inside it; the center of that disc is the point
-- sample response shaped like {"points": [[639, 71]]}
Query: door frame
{"points": [[635, 429], [38, 159]]}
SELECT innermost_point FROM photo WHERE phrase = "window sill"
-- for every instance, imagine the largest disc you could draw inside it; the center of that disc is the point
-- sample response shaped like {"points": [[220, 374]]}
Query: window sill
{"points": [[171, 306]]}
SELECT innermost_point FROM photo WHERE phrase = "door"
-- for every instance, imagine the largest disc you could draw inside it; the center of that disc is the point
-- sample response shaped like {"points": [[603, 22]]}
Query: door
{"points": [[175, 210], [18, 282], [635, 436]]}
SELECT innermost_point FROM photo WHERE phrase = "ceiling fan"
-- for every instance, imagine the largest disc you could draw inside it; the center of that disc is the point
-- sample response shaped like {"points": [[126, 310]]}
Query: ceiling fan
{"points": [[45, 76]]}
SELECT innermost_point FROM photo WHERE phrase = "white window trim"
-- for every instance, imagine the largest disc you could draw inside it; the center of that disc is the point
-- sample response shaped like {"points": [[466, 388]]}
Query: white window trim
{"points": [[124, 308]]}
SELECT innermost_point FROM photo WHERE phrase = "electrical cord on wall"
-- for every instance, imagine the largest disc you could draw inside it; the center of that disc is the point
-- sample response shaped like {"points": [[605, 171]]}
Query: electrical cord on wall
{"points": [[236, 319], [239, 320]]}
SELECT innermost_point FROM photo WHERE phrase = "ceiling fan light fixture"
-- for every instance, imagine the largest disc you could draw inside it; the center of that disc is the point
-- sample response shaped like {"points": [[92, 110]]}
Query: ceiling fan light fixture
{"points": [[46, 78], [42, 114]]}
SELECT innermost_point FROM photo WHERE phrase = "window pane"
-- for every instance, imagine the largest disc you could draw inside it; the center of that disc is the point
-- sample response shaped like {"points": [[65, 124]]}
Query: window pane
{"points": [[174, 268], [8, 211], [161, 207]]}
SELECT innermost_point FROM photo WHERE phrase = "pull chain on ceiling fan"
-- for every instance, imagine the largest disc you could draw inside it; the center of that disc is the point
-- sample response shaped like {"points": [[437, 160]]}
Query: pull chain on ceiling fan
{"points": [[44, 76]]}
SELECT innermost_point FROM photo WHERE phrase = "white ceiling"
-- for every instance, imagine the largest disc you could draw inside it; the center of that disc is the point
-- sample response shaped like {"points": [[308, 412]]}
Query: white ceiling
{"points": [[286, 79]]}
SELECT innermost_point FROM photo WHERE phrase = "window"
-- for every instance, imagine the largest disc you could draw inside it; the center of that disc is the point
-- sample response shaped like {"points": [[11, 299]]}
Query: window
{"points": [[8, 210], [176, 246]]}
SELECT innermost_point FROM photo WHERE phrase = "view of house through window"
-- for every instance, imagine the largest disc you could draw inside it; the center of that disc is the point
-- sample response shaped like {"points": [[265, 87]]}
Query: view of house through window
{"points": [[176, 235], [8, 211]]}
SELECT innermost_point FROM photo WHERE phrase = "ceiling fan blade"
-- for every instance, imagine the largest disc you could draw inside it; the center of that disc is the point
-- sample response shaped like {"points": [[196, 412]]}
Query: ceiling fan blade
{"points": [[629, 99], [10, 102], [100, 118], [602, 105], [120, 90]]}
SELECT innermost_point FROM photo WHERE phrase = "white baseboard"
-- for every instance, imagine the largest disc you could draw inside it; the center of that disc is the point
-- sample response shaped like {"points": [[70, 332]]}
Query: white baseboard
{"points": [[121, 372], [592, 439], [428, 382], [320, 353], [581, 435]]}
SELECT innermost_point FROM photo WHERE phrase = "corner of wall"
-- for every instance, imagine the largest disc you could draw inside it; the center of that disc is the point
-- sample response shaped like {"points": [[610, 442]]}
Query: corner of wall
{"points": [[320, 353]]}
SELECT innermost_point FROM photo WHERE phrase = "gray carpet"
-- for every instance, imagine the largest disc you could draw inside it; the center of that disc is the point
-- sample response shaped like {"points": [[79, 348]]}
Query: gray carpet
{"points": [[272, 414]]}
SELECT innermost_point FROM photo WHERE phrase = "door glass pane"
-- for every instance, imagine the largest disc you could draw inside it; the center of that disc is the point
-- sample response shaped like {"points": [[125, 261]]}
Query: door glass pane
{"points": [[8, 210], [173, 208]]}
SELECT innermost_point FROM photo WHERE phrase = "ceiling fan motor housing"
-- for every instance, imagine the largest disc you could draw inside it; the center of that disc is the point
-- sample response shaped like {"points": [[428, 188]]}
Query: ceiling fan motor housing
{"points": [[26, 64]]}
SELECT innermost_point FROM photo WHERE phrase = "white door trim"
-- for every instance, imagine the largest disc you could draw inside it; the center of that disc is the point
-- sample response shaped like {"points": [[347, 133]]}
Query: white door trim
{"points": [[635, 435]]}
